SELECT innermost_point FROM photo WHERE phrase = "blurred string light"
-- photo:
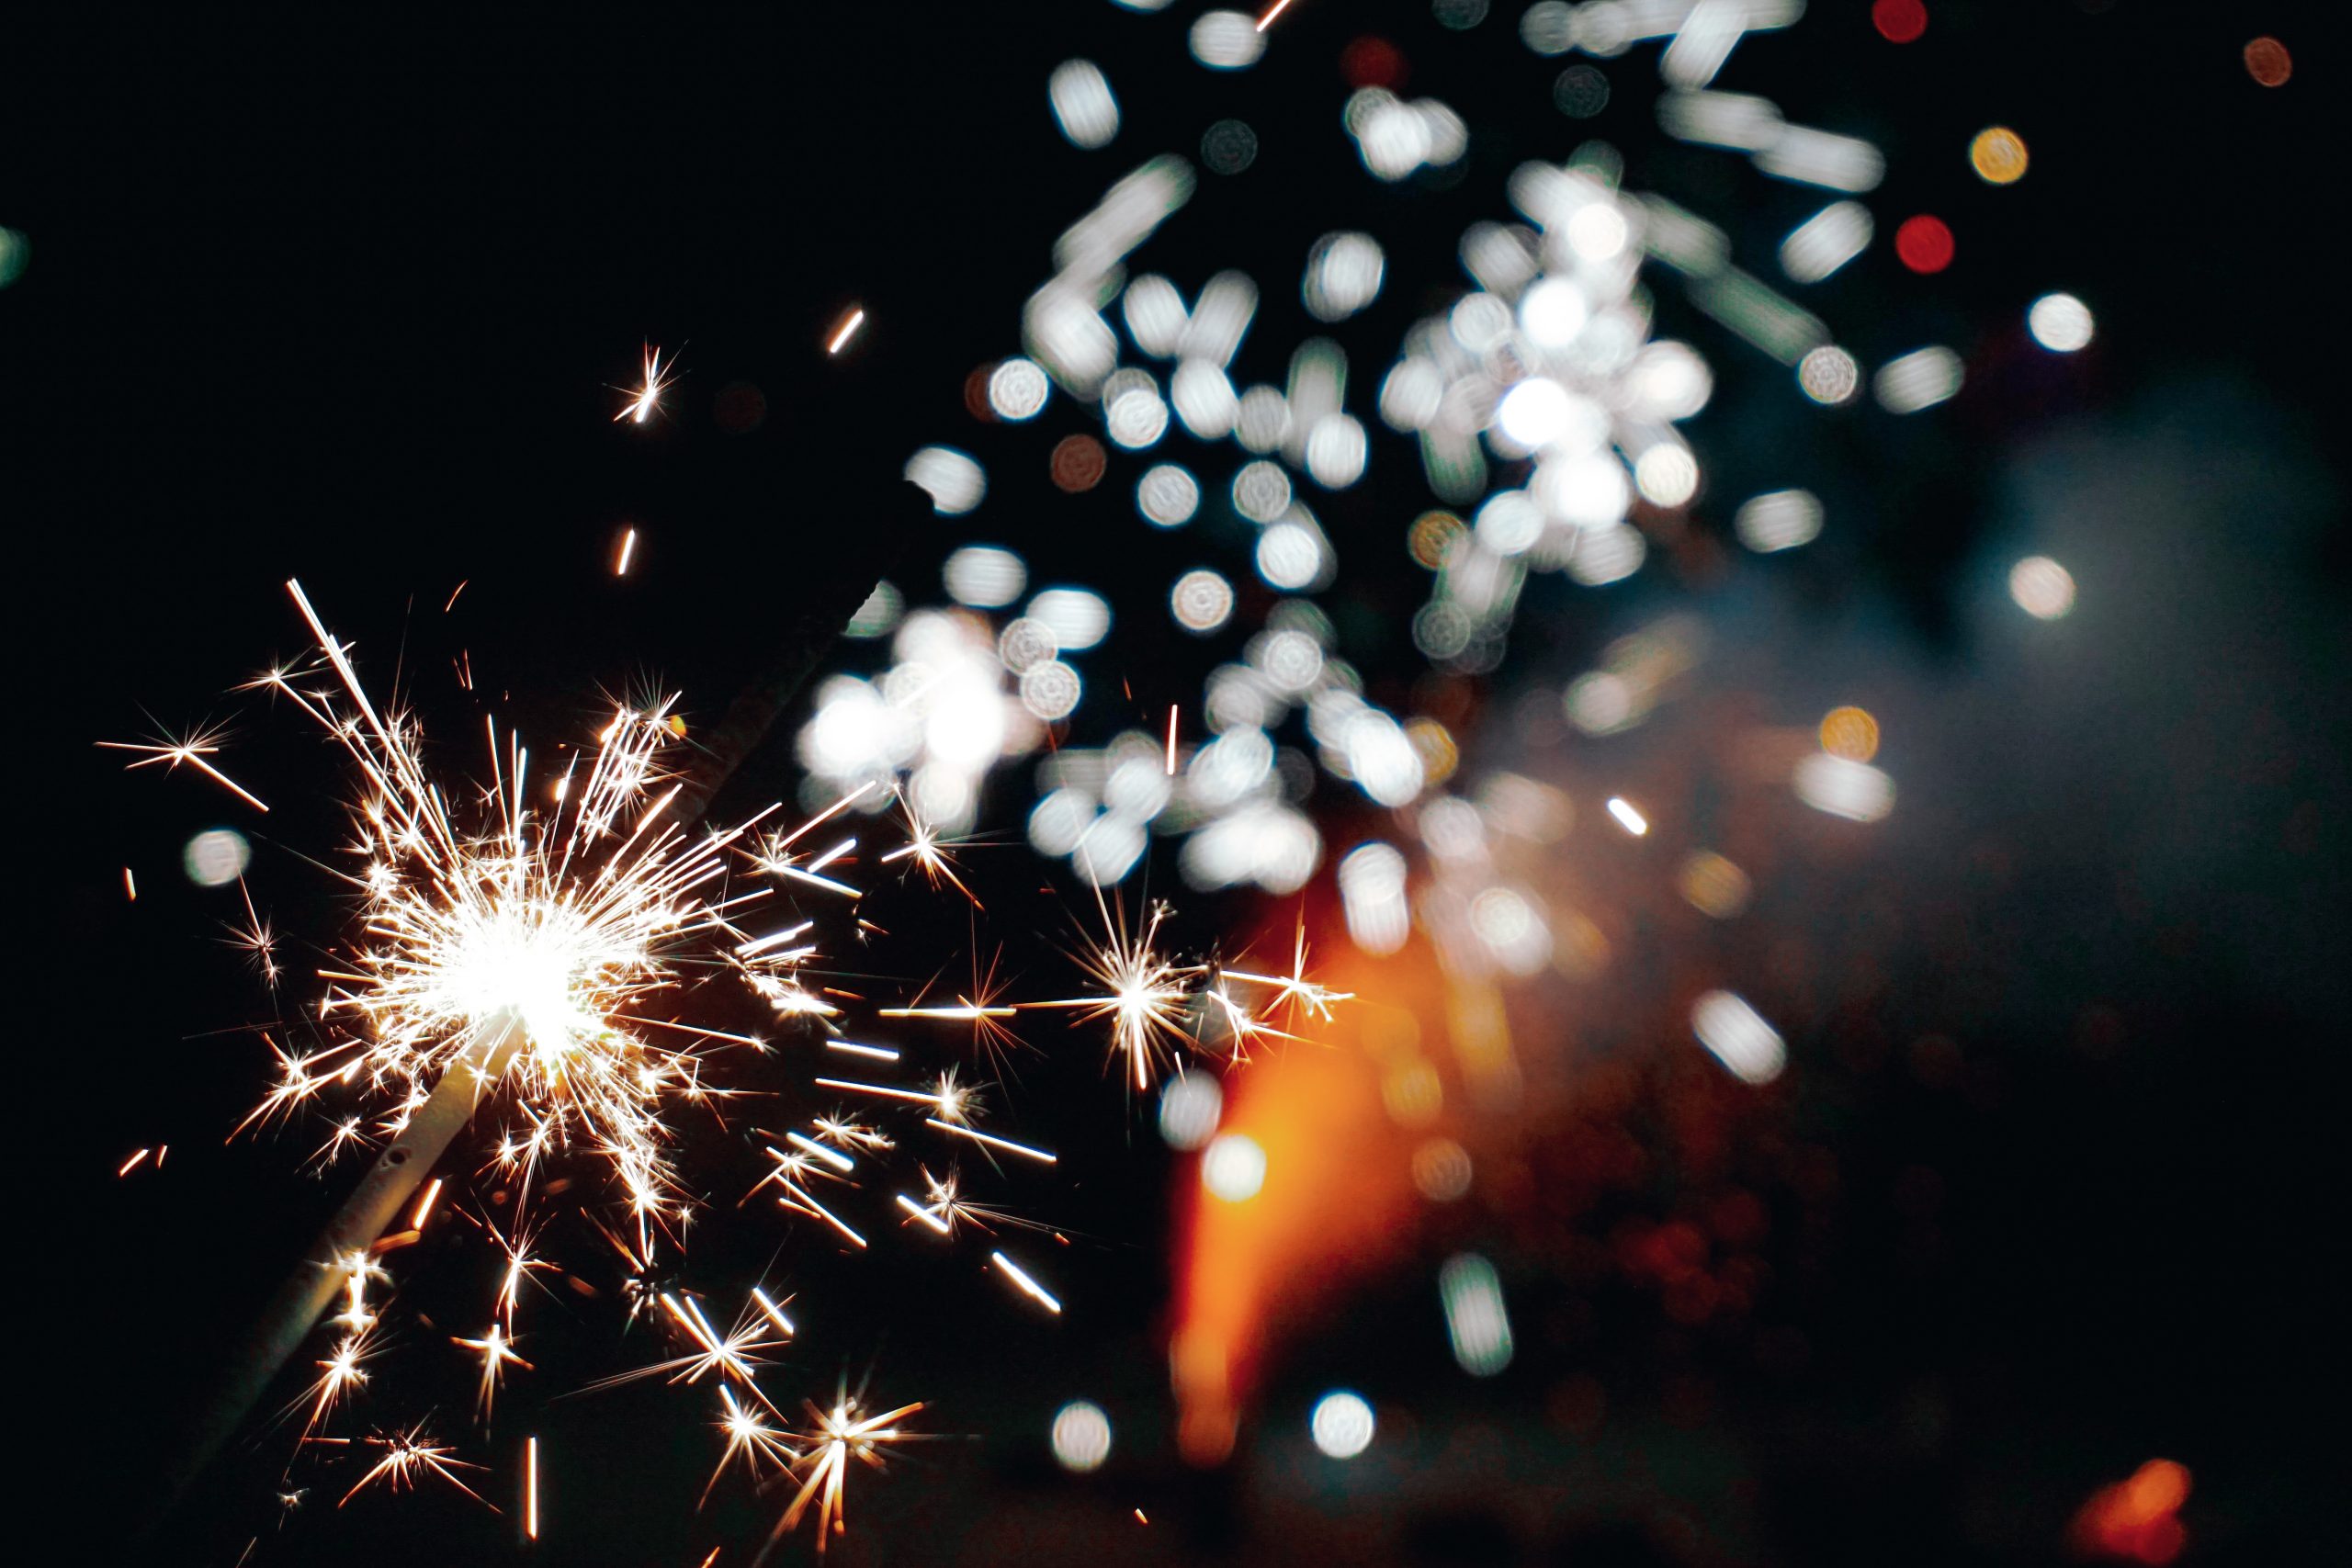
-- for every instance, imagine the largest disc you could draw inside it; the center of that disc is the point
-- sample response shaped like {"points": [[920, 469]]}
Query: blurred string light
{"points": [[1341, 1425]]}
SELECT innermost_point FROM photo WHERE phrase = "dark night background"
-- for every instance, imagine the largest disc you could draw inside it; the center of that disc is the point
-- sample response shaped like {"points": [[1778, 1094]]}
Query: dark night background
{"points": [[2053, 1181]]}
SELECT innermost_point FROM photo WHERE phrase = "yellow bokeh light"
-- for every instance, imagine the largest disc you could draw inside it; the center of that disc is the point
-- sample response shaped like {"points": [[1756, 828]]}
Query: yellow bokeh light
{"points": [[1997, 155], [1851, 733]]}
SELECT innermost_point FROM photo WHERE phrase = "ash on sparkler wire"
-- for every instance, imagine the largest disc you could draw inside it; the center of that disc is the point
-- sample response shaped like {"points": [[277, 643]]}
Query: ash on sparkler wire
{"points": [[522, 956]]}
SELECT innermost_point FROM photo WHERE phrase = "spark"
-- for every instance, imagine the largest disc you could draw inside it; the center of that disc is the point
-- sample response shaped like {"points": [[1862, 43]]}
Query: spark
{"points": [[531, 1488], [929, 852], [629, 548], [496, 1353], [641, 403], [1295, 990], [879, 1053], [750, 1436], [424, 1205], [834, 1438], [946, 1207], [198, 745], [1028, 1286], [1143, 993], [1171, 738], [130, 886], [1629, 819], [338, 1374], [409, 1455], [132, 1163], [773, 1313], [847, 330], [1267, 20]]}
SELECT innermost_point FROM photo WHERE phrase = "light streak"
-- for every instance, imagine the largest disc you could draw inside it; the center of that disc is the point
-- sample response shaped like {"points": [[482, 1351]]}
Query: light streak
{"points": [[1013, 1271], [1267, 20], [629, 548], [1171, 740], [1629, 819], [879, 1053], [992, 1140], [132, 1164], [847, 330], [130, 885], [424, 1205], [531, 1488]]}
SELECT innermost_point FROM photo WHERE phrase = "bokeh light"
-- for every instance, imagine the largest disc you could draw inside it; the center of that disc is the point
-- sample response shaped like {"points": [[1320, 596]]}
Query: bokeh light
{"points": [[1924, 243], [1081, 1437], [953, 480], [984, 576], [216, 857], [1851, 733], [1189, 1109], [1778, 520], [2060, 322], [1828, 375], [1077, 463], [1168, 495], [1899, 21], [1083, 104], [2041, 588], [1999, 156], [1017, 389], [1476, 1320], [1228, 147], [1341, 1425], [1227, 40], [1234, 1168], [1441, 1170], [1738, 1037], [1201, 600], [1580, 92], [2268, 61]]}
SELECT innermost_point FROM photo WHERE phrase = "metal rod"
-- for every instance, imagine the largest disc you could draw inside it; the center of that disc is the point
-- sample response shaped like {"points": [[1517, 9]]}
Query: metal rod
{"points": [[295, 1310]]}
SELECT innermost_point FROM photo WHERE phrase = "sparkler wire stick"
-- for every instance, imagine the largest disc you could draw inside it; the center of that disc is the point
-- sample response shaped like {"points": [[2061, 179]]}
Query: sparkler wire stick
{"points": [[295, 1310]]}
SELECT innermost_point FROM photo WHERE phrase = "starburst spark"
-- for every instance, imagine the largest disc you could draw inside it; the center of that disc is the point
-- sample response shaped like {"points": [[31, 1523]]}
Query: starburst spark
{"points": [[525, 949], [643, 402], [1145, 995], [834, 1438], [409, 1455]]}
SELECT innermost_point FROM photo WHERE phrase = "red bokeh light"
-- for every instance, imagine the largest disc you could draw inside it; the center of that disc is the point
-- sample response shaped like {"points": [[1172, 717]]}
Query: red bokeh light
{"points": [[1899, 21], [2135, 1520], [1924, 243], [1372, 62]]}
